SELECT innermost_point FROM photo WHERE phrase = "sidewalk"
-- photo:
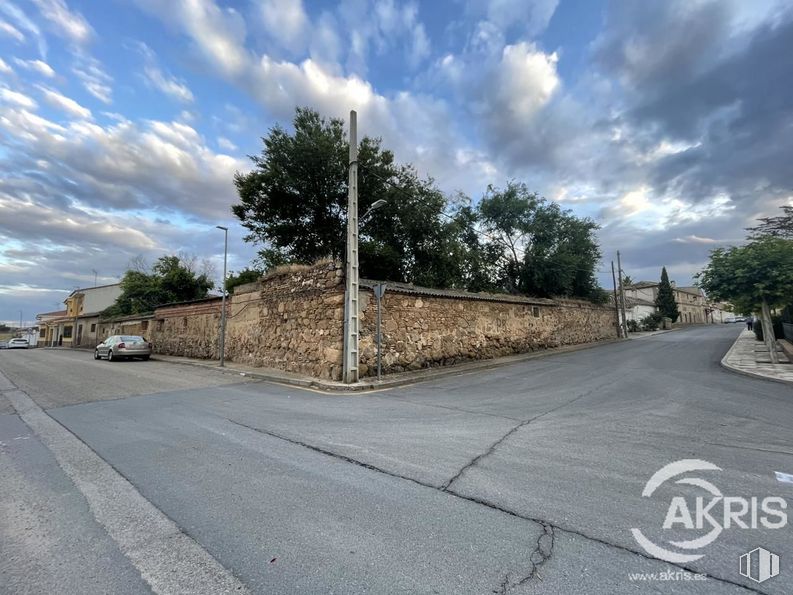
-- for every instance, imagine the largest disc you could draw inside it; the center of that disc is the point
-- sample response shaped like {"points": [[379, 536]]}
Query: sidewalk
{"points": [[369, 383], [750, 357]]}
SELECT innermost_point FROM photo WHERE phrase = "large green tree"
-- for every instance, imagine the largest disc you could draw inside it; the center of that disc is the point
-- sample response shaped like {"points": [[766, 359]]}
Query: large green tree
{"points": [[294, 205], [755, 277], [665, 300], [171, 279], [539, 248]]}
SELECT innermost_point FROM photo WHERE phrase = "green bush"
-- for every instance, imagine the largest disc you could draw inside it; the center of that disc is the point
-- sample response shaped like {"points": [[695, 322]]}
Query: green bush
{"points": [[651, 322], [633, 326], [779, 333]]}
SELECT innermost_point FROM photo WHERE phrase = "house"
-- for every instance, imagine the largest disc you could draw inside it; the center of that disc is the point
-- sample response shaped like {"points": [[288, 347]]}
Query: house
{"points": [[77, 325], [692, 304]]}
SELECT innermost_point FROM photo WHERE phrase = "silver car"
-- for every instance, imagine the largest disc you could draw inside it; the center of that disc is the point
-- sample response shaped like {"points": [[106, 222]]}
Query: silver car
{"points": [[18, 343], [118, 347]]}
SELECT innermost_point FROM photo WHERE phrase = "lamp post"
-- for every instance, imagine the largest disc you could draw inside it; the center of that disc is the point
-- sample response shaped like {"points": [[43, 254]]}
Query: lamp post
{"points": [[223, 302]]}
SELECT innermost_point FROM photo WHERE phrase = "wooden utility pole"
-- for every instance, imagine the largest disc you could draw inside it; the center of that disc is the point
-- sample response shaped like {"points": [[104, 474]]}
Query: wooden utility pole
{"points": [[350, 364], [622, 296], [616, 303]]}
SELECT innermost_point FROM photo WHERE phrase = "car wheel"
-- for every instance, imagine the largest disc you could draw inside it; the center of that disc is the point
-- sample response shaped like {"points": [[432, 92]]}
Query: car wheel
{"points": [[145, 358], [110, 357], [96, 354]]}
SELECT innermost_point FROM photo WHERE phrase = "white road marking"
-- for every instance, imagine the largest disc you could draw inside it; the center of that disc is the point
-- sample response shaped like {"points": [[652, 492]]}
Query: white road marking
{"points": [[783, 477], [167, 559]]}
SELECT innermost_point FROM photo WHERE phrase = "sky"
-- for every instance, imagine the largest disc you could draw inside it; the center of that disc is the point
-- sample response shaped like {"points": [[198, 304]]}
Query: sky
{"points": [[123, 122]]}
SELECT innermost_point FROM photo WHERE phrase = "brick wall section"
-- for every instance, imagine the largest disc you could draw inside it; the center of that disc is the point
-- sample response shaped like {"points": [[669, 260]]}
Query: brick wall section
{"points": [[426, 330], [291, 320], [190, 329]]}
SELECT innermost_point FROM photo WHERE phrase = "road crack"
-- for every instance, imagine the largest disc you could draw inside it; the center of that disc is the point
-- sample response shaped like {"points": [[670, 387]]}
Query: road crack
{"points": [[539, 556], [491, 449], [548, 527]]}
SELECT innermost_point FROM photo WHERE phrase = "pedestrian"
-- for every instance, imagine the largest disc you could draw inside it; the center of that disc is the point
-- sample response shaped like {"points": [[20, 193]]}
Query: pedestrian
{"points": [[750, 323]]}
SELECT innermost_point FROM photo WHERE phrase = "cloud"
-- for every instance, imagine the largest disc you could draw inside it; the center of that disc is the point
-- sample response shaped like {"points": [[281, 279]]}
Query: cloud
{"points": [[23, 22], [36, 66], [124, 165], [67, 24], [226, 144], [167, 84], [530, 17], [66, 104], [93, 77], [286, 22], [16, 98], [10, 31], [5, 68]]}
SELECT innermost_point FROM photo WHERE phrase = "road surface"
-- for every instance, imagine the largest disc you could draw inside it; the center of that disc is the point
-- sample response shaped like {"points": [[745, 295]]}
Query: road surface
{"points": [[522, 479]]}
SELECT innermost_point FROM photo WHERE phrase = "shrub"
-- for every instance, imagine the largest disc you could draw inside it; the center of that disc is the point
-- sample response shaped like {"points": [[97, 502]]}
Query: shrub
{"points": [[651, 322], [633, 326]]}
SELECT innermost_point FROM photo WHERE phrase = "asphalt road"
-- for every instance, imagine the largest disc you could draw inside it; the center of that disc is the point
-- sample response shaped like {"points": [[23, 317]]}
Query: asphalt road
{"points": [[522, 479]]}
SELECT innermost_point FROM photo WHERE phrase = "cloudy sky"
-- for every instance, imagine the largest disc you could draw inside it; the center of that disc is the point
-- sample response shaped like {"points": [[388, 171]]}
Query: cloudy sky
{"points": [[122, 122]]}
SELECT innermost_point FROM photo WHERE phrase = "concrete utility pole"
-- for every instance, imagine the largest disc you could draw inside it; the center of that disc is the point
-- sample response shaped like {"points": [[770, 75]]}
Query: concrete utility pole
{"points": [[616, 303], [350, 363], [622, 296], [223, 301]]}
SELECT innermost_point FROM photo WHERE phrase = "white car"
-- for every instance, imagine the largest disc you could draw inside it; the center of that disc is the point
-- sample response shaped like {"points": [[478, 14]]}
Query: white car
{"points": [[18, 343]]}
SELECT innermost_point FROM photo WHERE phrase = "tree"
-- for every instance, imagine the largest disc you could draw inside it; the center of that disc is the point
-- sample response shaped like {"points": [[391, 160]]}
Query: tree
{"points": [[539, 248], [294, 204], [171, 279], [665, 300], [780, 226], [246, 275], [627, 281], [757, 276]]}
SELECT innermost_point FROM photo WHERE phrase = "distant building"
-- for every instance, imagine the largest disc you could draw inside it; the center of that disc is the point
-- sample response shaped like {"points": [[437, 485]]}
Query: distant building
{"points": [[692, 303], [77, 325]]}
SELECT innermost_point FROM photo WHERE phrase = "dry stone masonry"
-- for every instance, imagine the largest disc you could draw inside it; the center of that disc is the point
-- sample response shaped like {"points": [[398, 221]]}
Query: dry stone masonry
{"points": [[293, 318]]}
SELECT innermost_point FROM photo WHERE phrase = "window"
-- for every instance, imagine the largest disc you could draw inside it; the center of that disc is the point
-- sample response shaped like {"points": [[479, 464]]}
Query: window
{"points": [[42, 333], [67, 332], [535, 311], [93, 328], [144, 326]]}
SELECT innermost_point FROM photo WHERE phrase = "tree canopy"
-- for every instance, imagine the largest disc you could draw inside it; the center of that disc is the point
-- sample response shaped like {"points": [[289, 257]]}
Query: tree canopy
{"points": [[293, 204], [780, 226], [171, 279], [748, 275]]}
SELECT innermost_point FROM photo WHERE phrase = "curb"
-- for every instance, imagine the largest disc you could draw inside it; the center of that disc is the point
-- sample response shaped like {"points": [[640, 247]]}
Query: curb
{"points": [[736, 370], [414, 377]]}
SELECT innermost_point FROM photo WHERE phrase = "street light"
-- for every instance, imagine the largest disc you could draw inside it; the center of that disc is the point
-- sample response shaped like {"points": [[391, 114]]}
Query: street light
{"points": [[223, 303], [375, 205]]}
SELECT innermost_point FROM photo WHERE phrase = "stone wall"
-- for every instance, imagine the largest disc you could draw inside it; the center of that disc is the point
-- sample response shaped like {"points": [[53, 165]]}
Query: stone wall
{"points": [[423, 328], [189, 329], [291, 320]]}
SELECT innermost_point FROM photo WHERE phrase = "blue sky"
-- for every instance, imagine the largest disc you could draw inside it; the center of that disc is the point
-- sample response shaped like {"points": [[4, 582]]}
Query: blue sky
{"points": [[123, 122]]}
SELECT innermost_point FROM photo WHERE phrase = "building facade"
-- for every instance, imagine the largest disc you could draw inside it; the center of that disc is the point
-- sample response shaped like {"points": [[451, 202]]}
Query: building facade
{"points": [[78, 325], [692, 303]]}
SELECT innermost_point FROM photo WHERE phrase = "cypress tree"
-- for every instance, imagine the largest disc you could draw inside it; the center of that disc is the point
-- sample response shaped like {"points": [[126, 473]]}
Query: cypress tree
{"points": [[665, 301]]}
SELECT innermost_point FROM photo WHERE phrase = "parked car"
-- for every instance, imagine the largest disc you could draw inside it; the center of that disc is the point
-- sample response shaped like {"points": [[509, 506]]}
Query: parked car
{"points": [[3, 344], [729, 320], [118, 347], [18, 343]]}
